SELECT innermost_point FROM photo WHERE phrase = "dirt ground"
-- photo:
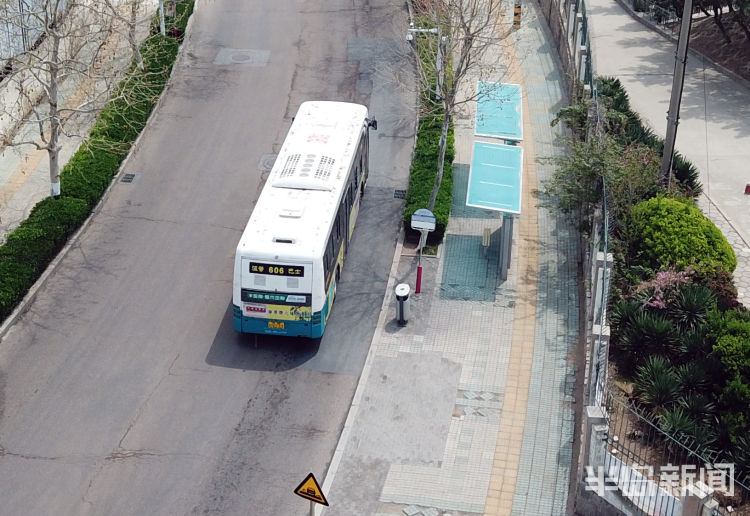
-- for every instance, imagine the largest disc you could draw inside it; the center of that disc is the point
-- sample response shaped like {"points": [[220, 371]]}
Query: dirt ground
{"points": [[706, 38]]}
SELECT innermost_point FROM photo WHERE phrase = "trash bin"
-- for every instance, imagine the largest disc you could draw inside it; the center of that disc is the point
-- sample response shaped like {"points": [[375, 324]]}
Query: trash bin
{"points": [[402, 303]]}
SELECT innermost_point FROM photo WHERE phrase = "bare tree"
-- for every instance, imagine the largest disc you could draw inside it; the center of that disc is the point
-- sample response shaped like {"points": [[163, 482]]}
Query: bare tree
{"points": [[465, 38], [69, 49], [126, 12]]}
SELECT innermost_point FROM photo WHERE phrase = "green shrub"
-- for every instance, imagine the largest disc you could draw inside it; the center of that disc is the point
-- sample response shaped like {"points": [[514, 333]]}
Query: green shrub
{"points": [[15, 280], [687, 175], [732, 347], [615, 98], [669, 232], [735, 415], [89, 172], [125, 116], [184, 10], [424, 172], [31, 246]]}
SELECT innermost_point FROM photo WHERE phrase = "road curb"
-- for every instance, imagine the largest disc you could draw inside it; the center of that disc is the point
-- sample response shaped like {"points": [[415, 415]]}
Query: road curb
{"points": [[25, 303], [365, 375]]}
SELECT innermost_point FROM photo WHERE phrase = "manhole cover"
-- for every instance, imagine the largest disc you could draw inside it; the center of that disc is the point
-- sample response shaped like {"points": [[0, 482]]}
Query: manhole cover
{"points": [[241, 57], [244, 57]]}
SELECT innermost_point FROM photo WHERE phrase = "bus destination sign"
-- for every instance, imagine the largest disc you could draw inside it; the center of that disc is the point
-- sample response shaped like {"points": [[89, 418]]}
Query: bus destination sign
{"points": [[277, 270]]}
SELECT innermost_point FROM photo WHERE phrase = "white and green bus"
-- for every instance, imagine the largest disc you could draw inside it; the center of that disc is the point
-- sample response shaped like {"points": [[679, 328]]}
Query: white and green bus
{"points": [[291, 252]]}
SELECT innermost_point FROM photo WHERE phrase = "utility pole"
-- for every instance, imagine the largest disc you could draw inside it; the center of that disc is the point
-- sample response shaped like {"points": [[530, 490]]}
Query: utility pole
{"points": [[673, 115], [439, 58]]}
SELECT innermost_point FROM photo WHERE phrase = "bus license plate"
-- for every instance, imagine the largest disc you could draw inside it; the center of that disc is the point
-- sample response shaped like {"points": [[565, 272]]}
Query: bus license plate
{"points": [[275, 325]]}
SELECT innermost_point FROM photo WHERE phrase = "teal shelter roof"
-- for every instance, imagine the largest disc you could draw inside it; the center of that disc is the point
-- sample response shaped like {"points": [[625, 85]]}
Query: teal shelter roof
{"points": [[499, 111], [495, 177]]}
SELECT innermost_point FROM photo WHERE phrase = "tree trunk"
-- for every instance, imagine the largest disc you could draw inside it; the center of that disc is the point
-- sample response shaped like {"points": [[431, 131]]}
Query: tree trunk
{"points": [[720, 24], [53, 149], [132, 41], [741, 20], [441, 159]]}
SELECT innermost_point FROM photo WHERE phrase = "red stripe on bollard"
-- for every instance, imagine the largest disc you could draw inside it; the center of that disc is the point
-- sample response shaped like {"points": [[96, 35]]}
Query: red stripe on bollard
{"points": [[747, 189], [419, 280]]}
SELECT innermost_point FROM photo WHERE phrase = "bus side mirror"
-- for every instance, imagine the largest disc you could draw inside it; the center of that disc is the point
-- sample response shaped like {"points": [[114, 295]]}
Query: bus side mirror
{"points": [[372, 123]]}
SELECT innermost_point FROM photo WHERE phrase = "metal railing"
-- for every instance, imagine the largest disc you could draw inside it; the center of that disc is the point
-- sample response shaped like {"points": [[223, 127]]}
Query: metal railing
{"points": [[670, 462]]}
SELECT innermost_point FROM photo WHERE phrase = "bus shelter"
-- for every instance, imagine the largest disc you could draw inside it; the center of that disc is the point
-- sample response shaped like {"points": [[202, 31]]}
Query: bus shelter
{"points": [[499, 111], [495, 183]]}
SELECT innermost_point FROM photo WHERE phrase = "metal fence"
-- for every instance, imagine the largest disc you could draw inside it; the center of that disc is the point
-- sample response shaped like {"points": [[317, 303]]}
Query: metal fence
{"points": [[645, 451], [21, 25], [661, 14]]}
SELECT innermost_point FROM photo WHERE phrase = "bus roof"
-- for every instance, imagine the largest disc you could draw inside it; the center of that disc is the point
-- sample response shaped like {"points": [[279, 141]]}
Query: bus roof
{"points": [[299, 201]]}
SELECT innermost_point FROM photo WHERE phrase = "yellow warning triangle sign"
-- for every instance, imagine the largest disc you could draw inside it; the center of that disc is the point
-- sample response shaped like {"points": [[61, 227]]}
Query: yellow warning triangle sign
{"points": [[310, 489]]}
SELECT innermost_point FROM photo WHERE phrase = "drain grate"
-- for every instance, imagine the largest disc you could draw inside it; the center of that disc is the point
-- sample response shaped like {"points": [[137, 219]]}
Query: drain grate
{"points": [[127, 178], [399, 194]]}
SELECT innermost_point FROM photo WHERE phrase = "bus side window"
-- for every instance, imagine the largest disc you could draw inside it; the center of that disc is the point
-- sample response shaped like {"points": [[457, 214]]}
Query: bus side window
{"points": [[340, 225], [328, 259]]}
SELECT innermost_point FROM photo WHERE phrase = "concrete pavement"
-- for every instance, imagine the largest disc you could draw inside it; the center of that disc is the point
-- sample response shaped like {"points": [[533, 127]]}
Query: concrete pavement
{"points": [[468, 409], [714, 130]]}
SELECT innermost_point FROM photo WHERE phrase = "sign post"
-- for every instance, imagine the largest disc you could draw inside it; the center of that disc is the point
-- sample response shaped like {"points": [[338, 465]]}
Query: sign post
{"points": [[309, 489], [424, 221]]}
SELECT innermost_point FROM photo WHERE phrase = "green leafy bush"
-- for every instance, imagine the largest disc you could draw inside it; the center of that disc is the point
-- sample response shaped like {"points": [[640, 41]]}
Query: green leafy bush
{"points": [[670, 232], [731, 334], [89, 172], [424, 172], [31, 246], [633, 130], [184, 10], [124, 117]]}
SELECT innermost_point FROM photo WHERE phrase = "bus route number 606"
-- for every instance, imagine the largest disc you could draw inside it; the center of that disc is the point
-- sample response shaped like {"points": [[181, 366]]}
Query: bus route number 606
{"points": [[276, 325]]}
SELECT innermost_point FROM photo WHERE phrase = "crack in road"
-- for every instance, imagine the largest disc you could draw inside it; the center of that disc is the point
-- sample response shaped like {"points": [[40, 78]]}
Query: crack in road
{"points": [[67, 459]]}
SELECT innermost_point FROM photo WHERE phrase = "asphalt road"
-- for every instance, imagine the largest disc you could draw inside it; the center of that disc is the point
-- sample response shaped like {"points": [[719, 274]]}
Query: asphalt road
{"points": [[124, 389]]}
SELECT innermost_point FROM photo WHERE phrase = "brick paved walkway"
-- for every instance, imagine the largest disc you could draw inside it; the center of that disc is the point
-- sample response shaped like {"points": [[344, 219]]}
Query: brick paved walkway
{"points": [[467, 409]]}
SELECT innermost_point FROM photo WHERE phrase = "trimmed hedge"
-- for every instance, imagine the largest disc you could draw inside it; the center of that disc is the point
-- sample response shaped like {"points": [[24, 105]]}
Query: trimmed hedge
{"points": [[33, 244], [89, 172], [123, 119], [672, 232], [84, 179], [423, 174]]}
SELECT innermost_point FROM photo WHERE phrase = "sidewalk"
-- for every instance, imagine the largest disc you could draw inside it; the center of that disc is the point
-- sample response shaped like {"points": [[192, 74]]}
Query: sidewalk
{"points": [[468, 408], [714, 130]]}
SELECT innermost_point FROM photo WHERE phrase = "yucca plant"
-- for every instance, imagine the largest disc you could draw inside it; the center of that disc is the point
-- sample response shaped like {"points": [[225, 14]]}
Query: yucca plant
{"points": [[688, 176], [676, 422], [702, 439], [697, 406], [623, 313], [691, 377], [611, 89], [691, 306], [739, 454], [694, 345], [647, 334], [656, 333], [656, 385]]}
